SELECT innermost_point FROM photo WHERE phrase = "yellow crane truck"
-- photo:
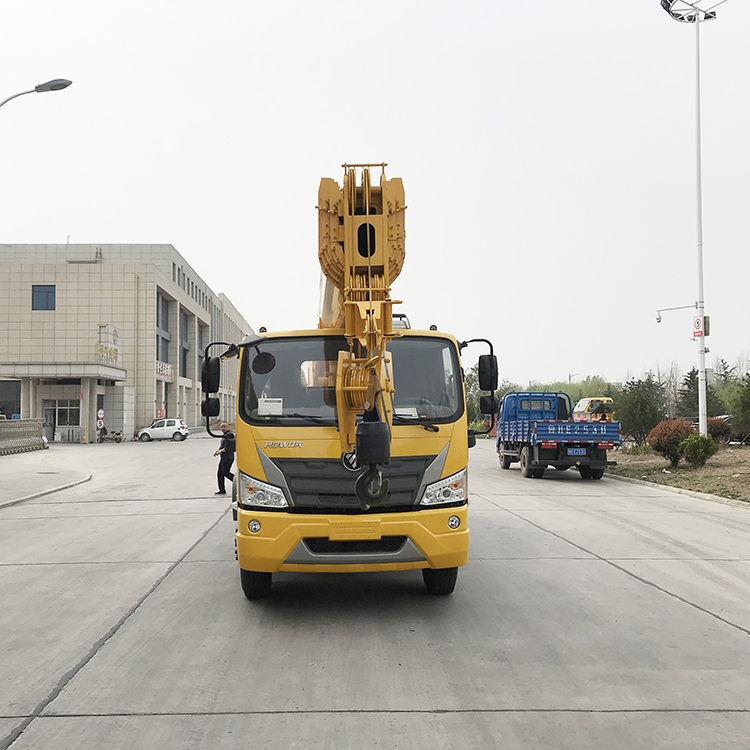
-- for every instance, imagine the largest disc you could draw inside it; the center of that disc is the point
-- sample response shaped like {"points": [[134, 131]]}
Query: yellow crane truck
{"points": [[352, 438]]}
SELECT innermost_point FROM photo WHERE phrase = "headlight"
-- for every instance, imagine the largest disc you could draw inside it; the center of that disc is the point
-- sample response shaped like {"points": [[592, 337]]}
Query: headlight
{"points": [[449, 490], [258, 494]]}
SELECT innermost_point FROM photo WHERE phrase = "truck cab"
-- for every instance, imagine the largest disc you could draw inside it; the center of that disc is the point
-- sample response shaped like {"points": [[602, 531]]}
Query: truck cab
{"points": [[596, 409]]}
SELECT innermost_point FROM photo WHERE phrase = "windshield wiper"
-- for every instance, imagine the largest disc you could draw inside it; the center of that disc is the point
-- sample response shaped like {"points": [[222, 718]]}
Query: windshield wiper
{"points": [[417, 421], [308, 417]]}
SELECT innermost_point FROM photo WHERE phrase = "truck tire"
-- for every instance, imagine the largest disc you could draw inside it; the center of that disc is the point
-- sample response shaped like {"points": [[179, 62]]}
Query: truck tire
{"points": [[255, 585], [585, 472], [440, 581], [505, 461], [538, 473], [597, 473], [525, 461]]}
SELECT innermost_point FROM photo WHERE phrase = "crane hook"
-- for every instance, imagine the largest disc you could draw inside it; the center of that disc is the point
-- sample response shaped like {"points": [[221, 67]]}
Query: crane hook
{"points": [[365, 482]]}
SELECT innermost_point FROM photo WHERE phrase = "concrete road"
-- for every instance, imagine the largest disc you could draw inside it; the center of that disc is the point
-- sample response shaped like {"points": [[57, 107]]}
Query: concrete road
{"points": [[591, 615]]}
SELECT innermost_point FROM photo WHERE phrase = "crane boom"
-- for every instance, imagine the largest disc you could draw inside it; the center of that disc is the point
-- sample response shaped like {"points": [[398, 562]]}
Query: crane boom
{"points": [[361, 252]]}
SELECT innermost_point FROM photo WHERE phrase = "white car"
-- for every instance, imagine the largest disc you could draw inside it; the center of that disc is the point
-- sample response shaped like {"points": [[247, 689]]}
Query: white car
{"points": [[164, 429]]}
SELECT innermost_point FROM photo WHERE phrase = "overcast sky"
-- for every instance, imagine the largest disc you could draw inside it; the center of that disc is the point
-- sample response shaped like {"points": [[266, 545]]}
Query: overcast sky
{"points": [[547, 151]]}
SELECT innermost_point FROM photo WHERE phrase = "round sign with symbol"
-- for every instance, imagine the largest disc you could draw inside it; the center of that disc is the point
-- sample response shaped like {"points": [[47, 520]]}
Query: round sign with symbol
{"points": [[100, 414], [697, 326], [99, 423]]}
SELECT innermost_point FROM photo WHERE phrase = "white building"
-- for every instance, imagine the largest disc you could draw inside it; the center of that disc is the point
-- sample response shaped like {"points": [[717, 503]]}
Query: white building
{"points": [[115, 328]]}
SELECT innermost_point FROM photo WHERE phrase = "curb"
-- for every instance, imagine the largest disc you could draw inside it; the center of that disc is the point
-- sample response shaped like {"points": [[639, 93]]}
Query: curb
{"points": [[46, 492], [680, 491]]}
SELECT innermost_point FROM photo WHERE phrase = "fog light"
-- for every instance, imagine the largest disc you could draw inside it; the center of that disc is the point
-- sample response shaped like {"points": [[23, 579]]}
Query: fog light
{"points": [[254, 526], [454, 522]]}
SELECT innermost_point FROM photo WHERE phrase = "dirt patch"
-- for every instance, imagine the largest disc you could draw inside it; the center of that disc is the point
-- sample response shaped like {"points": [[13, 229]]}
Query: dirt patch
{"points": [[727, 474]]}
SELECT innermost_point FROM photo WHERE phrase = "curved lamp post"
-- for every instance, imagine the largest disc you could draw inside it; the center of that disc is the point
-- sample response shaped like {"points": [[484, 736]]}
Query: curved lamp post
{"points": [[697, 11], [54, 85]]}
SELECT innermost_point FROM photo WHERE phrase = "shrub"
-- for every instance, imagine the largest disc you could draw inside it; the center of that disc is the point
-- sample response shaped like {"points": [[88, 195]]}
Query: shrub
{"points": [[666, 437], [697, 449], [718, 429], [641, 450]]}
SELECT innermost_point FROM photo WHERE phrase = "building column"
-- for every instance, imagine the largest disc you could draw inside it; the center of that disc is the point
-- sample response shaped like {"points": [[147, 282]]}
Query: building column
{"points": [[25, 398], [34, 408], [88, 410]]}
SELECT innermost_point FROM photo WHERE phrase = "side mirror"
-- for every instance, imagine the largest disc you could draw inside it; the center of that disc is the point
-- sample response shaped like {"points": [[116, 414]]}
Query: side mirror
{"points": [[487, 404], [487, 373], [210, 376], [211, 407], [472, 438]]}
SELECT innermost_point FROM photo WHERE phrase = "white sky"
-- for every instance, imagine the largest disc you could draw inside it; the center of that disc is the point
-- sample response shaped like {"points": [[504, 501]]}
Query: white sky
{"points": [[547, 151]]}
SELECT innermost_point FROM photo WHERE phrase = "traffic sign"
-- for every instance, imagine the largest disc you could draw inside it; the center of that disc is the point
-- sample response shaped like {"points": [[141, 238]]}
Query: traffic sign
{"points": [[99, 424], [100, 414], [697, 326]]}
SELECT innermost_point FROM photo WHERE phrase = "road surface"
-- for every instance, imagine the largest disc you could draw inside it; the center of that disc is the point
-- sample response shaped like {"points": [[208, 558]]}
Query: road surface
{"points": [[591, 615]]}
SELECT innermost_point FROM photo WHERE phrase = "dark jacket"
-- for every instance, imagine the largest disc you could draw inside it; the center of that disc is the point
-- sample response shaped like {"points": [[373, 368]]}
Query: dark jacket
{"points": [[228, 443]]}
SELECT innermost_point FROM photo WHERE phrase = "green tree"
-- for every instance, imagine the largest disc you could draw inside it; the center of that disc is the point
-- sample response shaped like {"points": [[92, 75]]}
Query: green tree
{"points": [[591, 385], [687, 403], [741, 411], [640, 407]]}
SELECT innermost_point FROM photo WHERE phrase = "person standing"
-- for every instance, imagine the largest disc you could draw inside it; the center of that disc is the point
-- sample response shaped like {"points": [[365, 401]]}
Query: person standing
{"points": [[226, 458]]}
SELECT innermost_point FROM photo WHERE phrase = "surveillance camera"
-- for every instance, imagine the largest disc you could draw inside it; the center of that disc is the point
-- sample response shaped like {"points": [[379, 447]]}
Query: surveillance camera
{"points": [[658, 318]]}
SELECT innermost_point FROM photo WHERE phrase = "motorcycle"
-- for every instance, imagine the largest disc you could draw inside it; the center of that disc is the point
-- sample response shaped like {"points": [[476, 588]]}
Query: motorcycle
{"points": [[105, 436]]}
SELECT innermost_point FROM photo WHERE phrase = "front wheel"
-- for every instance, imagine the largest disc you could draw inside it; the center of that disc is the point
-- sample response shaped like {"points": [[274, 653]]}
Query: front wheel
{"points": [[504, 460], [255, 585], [440, 581], [525, 461], [144, 438], [118, 439]]}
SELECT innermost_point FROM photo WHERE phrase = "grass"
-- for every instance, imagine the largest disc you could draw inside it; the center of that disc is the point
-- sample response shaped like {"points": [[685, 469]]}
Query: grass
{"points": [[727, 474]]}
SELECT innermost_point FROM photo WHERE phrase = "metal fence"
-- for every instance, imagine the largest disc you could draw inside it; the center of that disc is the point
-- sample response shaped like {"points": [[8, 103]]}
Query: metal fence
{"points": [[21, 435]]}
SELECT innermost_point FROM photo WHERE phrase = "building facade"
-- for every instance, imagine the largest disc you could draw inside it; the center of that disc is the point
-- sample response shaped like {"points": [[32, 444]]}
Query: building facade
{"points": [[108, 335]]}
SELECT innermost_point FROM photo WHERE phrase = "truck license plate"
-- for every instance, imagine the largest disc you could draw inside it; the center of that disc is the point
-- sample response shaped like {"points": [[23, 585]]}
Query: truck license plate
{"points": [[576, 451]]}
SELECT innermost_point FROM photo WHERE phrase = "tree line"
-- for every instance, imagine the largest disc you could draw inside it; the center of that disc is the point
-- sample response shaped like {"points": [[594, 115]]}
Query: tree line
{"points": [[641, 403]]}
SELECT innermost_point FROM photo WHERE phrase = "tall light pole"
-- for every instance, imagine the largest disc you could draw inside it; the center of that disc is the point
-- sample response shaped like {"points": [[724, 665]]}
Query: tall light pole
{"points": [[697, 11], [54, 85]]}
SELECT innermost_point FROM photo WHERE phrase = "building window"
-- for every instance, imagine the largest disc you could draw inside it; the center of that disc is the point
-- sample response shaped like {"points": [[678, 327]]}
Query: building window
{"points": [[42, 297], [184, 345]]}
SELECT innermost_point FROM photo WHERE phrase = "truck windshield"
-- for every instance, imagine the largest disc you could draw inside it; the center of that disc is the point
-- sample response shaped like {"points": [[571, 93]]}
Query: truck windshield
{"points": [[292, 381]]}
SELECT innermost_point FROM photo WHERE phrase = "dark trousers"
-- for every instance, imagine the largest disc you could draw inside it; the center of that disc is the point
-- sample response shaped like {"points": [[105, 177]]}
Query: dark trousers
{"points": [[225, 470]]}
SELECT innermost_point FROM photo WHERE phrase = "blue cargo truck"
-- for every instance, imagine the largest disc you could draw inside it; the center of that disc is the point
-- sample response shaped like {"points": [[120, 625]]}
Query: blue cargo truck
{"points": [[537, 430]]}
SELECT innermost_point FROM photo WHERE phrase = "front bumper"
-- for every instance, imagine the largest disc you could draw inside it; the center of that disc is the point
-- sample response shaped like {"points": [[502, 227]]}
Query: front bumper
{"points": [[349, 543]]}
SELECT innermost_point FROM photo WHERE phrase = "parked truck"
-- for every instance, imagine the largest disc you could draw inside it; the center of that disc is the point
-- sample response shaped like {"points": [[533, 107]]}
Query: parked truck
{"points": [[536, 430], [352, 438]]}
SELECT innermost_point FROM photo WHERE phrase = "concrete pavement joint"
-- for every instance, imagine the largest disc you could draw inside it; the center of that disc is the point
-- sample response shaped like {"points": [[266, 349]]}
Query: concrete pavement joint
{"points": [[629, 573], [46, 492], [407, 711], [62, 683]]}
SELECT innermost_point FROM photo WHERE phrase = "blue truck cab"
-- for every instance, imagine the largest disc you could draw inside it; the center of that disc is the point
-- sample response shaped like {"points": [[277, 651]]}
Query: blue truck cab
{"points": [[537, 429]]}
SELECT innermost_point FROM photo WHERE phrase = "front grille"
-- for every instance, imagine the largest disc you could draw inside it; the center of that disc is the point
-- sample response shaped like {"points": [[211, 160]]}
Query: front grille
{"points": [[325, 483], [320, 546]]}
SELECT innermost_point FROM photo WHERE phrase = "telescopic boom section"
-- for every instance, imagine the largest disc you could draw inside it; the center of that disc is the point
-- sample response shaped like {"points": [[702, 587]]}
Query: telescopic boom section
{"points": [[361, 252]]}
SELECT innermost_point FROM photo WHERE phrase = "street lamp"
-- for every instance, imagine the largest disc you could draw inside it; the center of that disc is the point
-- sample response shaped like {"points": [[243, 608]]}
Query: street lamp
{"points": [[696, 11], [54, 85]]}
